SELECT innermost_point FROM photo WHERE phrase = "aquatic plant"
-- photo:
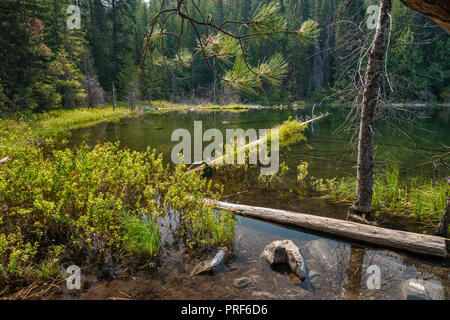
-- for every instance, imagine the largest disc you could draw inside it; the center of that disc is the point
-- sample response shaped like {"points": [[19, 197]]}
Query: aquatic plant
{"points": [[141, 235], [268, 180], [302, 170], [420, 197], [291, 131]]}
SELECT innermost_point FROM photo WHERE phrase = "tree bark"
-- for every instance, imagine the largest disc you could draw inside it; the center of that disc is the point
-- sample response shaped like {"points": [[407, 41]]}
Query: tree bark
{"points": [[436, 10], [364, 189], [442, 228]]}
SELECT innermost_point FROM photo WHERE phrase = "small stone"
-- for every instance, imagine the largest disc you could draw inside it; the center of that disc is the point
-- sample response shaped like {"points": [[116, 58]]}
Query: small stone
{"points": [[263, 295], [244, 282], [209, 264], [434, 290], [414, 289], [313, 274], [241, 283]]}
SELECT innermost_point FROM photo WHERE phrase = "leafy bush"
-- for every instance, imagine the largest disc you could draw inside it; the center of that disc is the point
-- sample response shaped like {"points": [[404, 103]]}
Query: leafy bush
{"points": [[69, 198]]}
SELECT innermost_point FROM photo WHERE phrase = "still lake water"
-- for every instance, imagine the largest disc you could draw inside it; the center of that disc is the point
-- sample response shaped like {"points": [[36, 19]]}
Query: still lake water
{"points": [[337, 269]]}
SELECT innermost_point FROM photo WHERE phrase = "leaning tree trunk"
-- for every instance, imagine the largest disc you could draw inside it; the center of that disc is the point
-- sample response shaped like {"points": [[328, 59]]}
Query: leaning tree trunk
{"points": [[364, 189], [442, 228]]}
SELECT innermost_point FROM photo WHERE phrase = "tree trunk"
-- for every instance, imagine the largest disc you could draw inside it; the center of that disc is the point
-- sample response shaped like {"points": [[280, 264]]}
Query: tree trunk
{"points": [[442, 228], [364, 189], [436, 10]]}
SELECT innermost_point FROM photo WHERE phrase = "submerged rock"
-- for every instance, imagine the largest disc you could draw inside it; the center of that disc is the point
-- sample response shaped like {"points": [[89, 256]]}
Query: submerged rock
{"points": [[244, 282], [391, 264], [413, 289], [263, 295], [286, 252], [209, 264], [326, 253]]}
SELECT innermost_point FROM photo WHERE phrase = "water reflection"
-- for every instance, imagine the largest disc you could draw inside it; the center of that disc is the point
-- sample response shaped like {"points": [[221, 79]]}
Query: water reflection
{"points": [[338, 270]]}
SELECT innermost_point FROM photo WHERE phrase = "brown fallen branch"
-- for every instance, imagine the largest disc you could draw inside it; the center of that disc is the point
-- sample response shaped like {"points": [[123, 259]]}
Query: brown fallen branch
{"points": [[407, 241], [221, 160]]}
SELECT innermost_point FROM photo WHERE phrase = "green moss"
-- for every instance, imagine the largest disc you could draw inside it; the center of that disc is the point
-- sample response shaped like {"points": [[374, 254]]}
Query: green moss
{"points": [[291, 131]]}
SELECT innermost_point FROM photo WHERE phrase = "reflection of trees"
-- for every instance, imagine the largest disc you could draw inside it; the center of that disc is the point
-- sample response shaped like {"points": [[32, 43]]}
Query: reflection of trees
{"points": [[348, 273], [355, 272]]}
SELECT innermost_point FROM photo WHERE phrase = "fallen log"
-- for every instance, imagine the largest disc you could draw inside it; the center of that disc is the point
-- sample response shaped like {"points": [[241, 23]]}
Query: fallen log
{"points": [[407, 241], [221, 160]]}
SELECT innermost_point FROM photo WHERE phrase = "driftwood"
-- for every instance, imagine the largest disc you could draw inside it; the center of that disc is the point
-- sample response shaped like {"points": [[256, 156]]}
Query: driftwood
{"points": [[220, 160], [5, 159], [407, 241]]}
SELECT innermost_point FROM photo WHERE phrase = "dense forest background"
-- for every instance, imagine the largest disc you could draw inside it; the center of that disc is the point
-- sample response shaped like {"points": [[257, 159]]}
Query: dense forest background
{"points": [[43, 65]]}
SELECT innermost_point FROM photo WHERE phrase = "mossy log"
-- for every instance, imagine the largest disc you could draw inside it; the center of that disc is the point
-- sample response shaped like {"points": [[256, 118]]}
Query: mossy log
{"points": [[220, 160]]}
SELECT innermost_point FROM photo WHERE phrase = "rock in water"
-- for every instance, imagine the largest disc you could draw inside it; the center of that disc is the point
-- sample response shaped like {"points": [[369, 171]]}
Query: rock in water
{"points": [[286, 252], [244, 282], [209, 264], [414, 289]]}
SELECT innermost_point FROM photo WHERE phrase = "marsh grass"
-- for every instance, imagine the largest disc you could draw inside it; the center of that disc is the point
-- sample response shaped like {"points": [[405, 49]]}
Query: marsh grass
{"points": [[48, 269], [223, 228], [24, 129], [163, 104], [421, 198], [52, 123], [141, 235]]}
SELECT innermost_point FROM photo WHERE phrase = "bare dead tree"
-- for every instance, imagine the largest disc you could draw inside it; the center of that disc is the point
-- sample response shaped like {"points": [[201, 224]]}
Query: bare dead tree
{"points": [[133, 94], [440, 161], [114, 98], [364, 179]]}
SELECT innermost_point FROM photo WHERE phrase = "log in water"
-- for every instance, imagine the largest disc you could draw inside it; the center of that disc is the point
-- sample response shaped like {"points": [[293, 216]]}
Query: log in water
{"points": [[220, 160], [407, 241]]}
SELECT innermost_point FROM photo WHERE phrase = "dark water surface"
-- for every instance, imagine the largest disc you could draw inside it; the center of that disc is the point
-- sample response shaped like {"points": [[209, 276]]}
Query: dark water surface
{"points": [[337, 269]]}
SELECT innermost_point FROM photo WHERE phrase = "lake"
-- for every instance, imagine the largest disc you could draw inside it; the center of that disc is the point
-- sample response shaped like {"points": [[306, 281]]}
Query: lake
{"points": [[336, 269]]}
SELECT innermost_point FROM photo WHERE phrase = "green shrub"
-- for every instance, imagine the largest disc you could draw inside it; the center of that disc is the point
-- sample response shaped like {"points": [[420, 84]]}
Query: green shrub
{"points": [[69, 198]]}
